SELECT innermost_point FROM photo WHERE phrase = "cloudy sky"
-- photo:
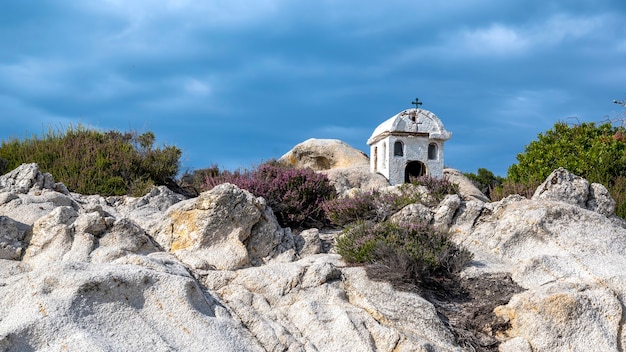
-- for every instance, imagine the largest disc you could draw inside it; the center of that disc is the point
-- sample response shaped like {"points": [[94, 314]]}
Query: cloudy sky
{"points": [[236, 82]]}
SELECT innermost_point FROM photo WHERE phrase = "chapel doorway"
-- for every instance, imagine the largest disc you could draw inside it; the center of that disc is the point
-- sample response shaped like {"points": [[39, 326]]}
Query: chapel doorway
{"points": [[414, 169]]}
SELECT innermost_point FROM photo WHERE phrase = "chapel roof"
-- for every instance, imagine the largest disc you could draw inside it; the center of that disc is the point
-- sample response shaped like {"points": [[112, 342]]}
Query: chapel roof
{"points": [[417, 122]]}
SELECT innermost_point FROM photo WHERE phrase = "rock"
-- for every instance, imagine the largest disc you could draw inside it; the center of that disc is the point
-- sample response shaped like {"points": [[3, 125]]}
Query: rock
{"points": [[324, 154], [413, 213], [25, 178], [52, 237], [218, 273], [563, 186], [114, 307], [317, 304], [269, 241], [148, 210], [467, 215], [569, 259], [12, 236], [308, 242], [600, 200], [566, 317], [445, 211], [467, 190], [345, 179], [225, 228]]}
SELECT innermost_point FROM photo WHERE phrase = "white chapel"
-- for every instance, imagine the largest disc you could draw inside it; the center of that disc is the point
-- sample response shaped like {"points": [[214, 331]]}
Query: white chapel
{"points": [[409, 144]]}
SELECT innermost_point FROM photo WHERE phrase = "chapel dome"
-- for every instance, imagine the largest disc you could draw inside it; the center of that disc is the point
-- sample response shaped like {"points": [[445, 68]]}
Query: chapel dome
{"points": [[416, 122]]}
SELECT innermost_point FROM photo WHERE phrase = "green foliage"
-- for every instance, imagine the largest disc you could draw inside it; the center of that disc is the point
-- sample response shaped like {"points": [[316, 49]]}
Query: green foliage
{"points": [[3, 166], [595, 152], [88, 161], [523, 188], [405, 252], [485, 180]]}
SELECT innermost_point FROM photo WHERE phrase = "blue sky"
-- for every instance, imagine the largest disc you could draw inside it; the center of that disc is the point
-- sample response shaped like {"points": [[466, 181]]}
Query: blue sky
{"points": [[234, 82]]}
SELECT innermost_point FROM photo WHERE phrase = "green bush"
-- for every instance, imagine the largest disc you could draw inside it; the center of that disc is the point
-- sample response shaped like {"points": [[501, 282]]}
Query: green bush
{"points": [[595, 152], [3, 166], [88, 161], [485, 180], [523, 188], [405, 253]]}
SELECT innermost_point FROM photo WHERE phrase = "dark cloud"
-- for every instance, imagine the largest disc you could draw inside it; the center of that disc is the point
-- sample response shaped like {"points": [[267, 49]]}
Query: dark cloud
{"points": [[240, 82]]}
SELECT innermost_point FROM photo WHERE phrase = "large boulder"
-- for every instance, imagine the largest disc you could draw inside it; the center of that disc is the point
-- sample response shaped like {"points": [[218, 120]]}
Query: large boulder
{"points": [[345, 179], [318, 304], [563, 186], [567, 256], [224, 228], [139, 303], [324, 154], [26, 194]]}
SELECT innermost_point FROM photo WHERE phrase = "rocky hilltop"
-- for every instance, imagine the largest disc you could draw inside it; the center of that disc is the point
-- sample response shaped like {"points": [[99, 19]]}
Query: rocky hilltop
{"points": [[217, 273]]}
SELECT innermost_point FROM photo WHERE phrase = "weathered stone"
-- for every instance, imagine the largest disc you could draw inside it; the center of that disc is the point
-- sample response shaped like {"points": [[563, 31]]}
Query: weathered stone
{"points": [[114, 307], [446, 210], [268, 240], [225, 228], [52, 237], [467, 190], [11, 239], [148, 210], [554, 250], [415, 213], [467, 215], [600, 200], [209, 231], [563, 186], [345, 179], [316, 304], [24, 178], [566, 317], [83, 273], [324, 154], [308, 242]]}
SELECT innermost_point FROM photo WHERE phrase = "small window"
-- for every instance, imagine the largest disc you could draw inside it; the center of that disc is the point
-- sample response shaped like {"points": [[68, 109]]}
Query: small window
{"points": [[398, 149], [432, 151]]}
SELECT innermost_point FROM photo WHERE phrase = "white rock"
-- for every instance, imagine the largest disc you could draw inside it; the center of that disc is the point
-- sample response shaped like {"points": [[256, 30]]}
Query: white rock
{"points": [[467, 189], [12, 236], [324, 154], [114, 307]]}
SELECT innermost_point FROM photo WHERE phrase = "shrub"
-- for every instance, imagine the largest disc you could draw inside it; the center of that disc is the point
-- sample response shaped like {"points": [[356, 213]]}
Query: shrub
{"points": [[344, 210], [438, 187], [295, 195], [485, 180], [3, 166], [93, 162], [377, 206], [526, 189], [595, 152], [406, 252]]}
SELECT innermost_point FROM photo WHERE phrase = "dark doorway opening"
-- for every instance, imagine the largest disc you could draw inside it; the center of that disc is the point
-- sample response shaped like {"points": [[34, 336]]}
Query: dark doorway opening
{"points": [[414, 169]]}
